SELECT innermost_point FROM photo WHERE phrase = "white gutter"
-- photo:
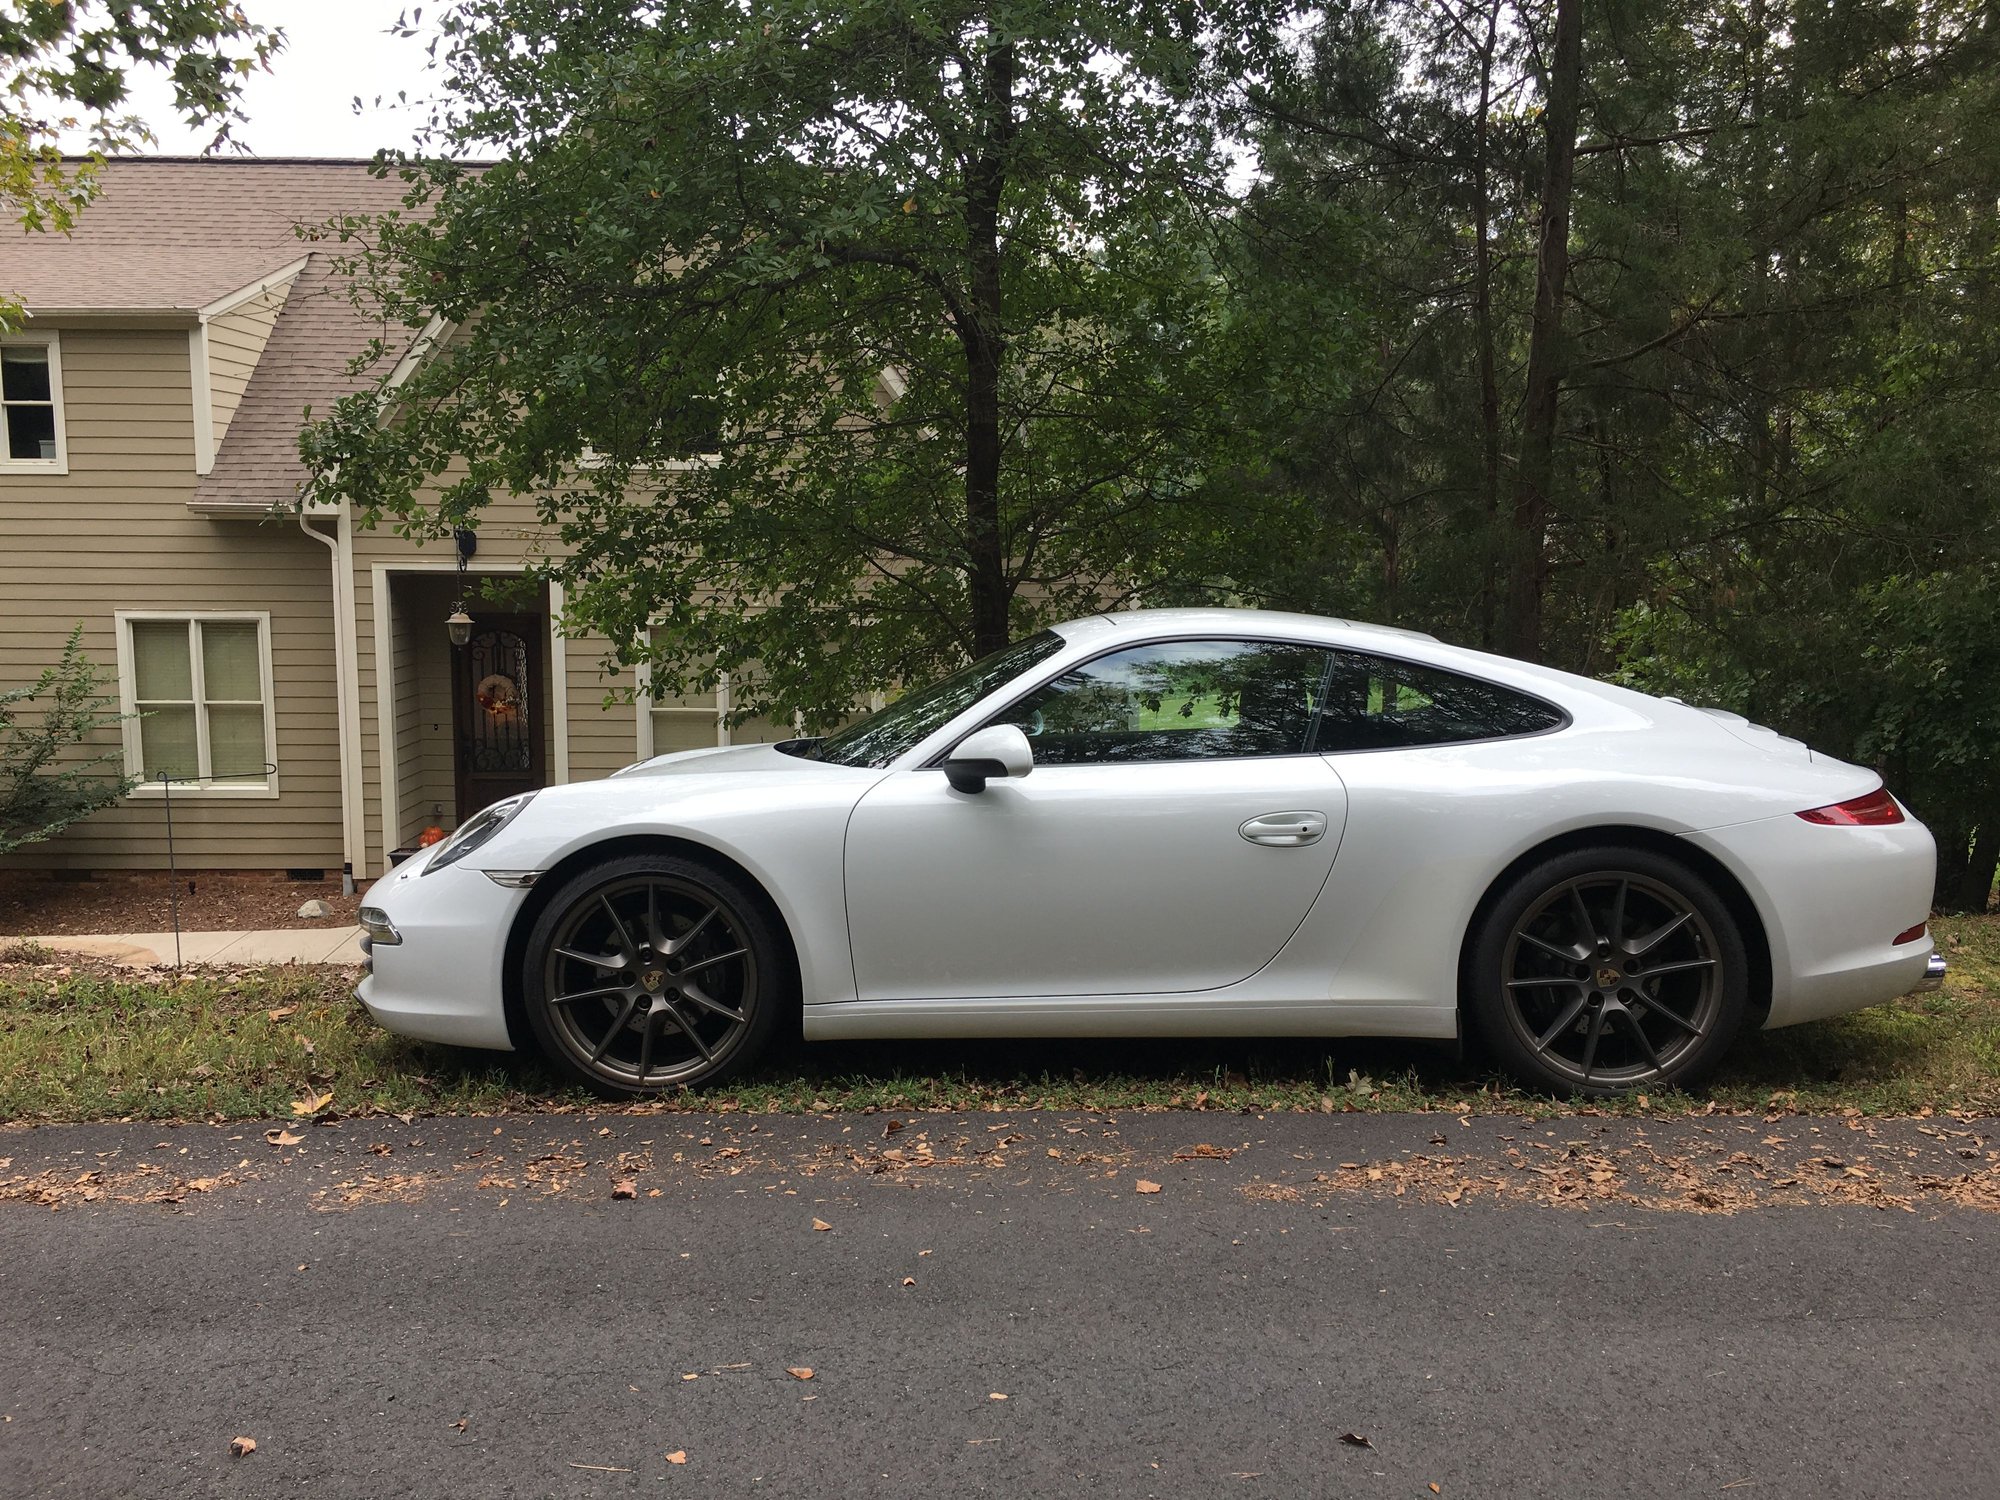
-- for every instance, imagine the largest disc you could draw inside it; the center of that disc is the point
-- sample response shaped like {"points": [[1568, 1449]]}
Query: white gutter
{"points": [[347, 690]]}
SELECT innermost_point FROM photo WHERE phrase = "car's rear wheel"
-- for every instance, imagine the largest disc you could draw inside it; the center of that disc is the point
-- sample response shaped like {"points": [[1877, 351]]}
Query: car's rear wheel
{"points": [[1608, 970], [651, 972]]}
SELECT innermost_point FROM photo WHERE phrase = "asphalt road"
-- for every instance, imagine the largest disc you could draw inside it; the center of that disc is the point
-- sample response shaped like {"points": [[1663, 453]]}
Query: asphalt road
{"points": [[464, 1309]]}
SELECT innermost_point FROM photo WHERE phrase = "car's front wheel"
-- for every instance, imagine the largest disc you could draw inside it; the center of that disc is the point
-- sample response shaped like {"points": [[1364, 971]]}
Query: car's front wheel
{"points": [[1608, 970], [648, 972]]}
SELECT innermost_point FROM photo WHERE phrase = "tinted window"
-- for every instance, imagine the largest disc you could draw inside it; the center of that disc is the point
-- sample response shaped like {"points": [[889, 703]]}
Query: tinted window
{"points": [[1374, 703], [880, 738], [1176, 700]]}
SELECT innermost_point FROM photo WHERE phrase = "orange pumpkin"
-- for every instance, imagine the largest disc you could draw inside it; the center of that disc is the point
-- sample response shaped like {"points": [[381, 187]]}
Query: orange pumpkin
{"points": [[431, 835]]}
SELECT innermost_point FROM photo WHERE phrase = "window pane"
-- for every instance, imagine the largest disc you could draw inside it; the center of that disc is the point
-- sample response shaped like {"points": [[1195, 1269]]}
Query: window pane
{"points": [[31, 432], [236, 742], [1374, 703], [166, 742], [160, 661], [24, 373], [1176, 700], [683, 731], [229, 662]]}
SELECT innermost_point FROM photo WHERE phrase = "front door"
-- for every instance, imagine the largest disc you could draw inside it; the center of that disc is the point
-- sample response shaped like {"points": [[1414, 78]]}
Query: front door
{"points": [[496, 692], [1172, 835]]}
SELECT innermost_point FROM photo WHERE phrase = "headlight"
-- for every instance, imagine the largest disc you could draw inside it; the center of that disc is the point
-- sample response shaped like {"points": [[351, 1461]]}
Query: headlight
{"points": [[476, 830]]}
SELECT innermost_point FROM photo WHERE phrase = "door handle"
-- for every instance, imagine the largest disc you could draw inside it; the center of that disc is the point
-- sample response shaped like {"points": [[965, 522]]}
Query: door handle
{"points": [[1285, 829]]}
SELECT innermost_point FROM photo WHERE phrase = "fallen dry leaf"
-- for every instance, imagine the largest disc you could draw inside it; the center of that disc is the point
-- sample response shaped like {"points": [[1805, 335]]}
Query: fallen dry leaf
{"points": [[821, 1224], [996, 1395], [282, 1137], [1355, 1440], [242, 1445], [1204, 1152], [1145, 1186], [282, 1012], [313, 1102], [678, 1456], [909, 1281], [799, 1372], [1436, 1491], [624, 1187]]}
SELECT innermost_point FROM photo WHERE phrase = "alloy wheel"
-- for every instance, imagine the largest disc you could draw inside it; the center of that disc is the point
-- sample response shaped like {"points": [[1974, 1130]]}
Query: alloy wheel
{"points": [[1611, 979], [650, 981]]}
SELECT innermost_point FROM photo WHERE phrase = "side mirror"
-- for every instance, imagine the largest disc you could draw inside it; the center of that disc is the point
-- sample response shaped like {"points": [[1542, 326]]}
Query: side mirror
{"points": [[996, 750]]}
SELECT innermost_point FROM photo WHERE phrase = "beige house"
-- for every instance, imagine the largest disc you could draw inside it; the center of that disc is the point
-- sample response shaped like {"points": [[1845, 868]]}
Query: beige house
{"points": [[289, 676]]}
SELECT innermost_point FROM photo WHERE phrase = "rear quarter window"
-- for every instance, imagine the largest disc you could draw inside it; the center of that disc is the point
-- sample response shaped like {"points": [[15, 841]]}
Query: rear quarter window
{"points": [[1379, 703]]}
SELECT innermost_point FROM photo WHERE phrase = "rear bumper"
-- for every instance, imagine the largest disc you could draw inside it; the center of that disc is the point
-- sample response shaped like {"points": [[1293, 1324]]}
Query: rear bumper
{"points": [[1832, 900], [1933, 978]]}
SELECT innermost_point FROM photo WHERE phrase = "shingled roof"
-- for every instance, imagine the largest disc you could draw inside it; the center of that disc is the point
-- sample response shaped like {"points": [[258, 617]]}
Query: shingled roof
{"points": [[171, 236], [174, 234]]}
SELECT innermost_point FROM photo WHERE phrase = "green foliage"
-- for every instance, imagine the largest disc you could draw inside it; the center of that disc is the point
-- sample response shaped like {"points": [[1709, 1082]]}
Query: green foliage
{"points": [[844, 340], [44, 785], [1778, 447]]}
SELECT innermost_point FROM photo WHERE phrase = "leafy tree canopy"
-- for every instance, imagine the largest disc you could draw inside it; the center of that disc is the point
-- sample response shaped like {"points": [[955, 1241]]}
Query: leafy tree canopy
{"points": [[845, 339]]}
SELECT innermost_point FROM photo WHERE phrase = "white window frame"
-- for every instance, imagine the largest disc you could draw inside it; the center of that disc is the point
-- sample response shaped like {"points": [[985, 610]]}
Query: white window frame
{"points": [[52, 342], [128, 704]]}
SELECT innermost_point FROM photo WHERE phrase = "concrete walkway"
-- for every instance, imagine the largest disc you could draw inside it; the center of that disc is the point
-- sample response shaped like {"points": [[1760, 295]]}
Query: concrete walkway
{"points": [[280, 945]]}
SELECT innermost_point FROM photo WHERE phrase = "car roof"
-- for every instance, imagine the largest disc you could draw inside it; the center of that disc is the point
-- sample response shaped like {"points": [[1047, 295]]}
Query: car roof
{"points": [[1259, 621]]}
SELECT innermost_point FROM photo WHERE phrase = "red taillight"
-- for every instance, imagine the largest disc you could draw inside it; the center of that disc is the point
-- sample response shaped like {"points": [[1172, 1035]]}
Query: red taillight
{"points": [[1910, 934], [1871, 811]]}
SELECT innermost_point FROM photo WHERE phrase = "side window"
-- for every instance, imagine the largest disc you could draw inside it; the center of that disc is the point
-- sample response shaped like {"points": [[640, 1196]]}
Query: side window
{"points": [[1375, 703], [31, 420], [1176, 700]]}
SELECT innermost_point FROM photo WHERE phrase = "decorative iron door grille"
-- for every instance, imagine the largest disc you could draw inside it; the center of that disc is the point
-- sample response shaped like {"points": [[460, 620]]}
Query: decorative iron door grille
{"points": [[497, 711]]}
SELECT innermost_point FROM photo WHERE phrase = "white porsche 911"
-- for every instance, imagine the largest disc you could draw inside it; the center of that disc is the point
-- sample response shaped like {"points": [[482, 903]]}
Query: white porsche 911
{"points": [[1177, 823]]}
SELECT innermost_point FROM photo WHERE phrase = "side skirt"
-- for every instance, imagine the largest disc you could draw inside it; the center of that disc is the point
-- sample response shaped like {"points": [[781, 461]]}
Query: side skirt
{"points": [[1140, 1015]]}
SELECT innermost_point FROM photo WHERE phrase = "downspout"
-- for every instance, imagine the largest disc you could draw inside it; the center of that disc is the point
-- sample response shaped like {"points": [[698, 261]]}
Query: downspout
{"points": [[346, 689]]}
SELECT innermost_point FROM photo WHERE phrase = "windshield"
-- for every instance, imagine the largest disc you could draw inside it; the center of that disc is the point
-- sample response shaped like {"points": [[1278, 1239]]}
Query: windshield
{"points": [[880, 738]]}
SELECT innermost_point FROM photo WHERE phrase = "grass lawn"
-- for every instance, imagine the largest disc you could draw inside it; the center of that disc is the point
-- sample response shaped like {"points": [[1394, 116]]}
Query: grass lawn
{"points": [[81, 1043]]}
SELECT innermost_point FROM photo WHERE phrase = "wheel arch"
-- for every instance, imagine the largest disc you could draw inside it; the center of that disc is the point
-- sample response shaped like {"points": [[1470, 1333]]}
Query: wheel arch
{"points": [[1732, 891], [514, 1001]]}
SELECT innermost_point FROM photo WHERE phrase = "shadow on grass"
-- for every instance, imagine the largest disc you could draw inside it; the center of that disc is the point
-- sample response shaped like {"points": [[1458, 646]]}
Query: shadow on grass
{"points": [[1897, 1059]]}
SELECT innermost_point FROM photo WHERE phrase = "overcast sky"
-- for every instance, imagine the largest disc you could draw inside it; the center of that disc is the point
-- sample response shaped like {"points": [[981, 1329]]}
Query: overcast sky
{"points": [[304, 106]]}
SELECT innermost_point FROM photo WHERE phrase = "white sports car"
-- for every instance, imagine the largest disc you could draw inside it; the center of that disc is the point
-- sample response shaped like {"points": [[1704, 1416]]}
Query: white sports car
{"points": [[1177, 823]]}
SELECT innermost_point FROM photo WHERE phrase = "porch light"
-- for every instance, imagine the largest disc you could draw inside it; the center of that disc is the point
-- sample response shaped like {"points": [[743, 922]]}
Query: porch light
{"points": [[458, 625]]}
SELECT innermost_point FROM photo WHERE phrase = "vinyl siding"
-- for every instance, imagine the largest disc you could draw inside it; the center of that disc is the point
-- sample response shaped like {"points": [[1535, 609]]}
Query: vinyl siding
{"points": [[116, 534], [602, 736], [235, 341]]}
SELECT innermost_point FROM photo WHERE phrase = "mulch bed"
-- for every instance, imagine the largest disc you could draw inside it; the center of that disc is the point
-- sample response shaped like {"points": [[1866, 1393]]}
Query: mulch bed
{"points": [[36, 903]]}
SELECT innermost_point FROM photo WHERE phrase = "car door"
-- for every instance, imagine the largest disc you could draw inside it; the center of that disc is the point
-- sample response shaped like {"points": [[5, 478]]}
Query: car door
{"points": [[1172, 835]]}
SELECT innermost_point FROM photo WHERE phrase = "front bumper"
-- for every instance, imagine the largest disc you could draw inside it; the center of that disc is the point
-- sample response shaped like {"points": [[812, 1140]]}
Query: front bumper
{"points": [[444, 982]]}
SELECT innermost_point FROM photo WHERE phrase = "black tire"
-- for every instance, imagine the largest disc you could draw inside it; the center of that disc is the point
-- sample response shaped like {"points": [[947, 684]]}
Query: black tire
{"points": [[650, 972], [1608, 970]]}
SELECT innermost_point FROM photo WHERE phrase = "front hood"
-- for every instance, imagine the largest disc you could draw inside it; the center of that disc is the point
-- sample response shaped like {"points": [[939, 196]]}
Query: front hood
{"points": [[720, 760]]}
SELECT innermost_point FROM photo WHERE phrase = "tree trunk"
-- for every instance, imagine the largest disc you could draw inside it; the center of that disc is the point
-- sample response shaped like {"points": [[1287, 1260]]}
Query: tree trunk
{"points": [[1528, 577], [984, 339], [1482, 321]]}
